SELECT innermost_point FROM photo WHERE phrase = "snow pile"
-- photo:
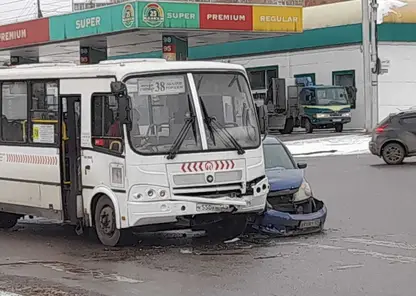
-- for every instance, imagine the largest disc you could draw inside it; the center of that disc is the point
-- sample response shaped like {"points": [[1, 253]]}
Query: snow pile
{"points": [[340, 145]]}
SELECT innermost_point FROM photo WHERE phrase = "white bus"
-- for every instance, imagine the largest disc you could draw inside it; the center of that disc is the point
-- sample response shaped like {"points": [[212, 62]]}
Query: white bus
{"points": [[131, 144]]}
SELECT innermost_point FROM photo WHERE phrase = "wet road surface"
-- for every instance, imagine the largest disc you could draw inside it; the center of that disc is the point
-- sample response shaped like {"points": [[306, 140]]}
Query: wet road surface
{"points": [[368, 248]]}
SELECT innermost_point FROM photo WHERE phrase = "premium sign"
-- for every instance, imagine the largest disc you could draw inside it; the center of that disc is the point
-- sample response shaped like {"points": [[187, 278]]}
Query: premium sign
{"points": [[225, 17], [25, 33], [277, 19]]}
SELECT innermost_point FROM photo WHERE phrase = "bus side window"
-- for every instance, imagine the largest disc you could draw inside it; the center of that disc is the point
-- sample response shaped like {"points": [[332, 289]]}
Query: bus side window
{"points": [[107, 132], [14, 111]]}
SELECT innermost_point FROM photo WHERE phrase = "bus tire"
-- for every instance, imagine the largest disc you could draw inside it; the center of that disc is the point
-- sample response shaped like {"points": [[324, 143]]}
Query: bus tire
{"points": [[290, 123], [339, 127], [231, 226], [8, 220], [308, 126], [105, 222]]}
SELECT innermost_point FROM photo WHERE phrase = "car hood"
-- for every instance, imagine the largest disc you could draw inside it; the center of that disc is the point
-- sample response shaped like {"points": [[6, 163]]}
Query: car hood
{"points": [[282, 179]]}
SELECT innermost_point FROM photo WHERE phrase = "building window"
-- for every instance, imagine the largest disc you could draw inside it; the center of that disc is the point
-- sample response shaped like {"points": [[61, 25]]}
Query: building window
{"points": [[343, 78], [106, 130], [346, 78], [14, 111], [311, 75], [260, 78], [44, 113]]}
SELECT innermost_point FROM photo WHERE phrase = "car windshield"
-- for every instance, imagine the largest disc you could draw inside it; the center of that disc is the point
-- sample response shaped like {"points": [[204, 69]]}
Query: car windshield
{"points": [[160, 107], [331, 96], [276, 157], [227, 99]]}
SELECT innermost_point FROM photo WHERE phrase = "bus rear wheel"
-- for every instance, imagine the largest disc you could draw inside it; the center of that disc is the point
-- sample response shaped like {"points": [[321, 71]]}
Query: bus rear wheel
{"points": [[8, 220]]}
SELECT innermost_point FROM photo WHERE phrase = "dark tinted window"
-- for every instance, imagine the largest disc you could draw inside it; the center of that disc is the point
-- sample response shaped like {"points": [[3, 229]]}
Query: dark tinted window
{"points": [[408, 120], [276, 156]]}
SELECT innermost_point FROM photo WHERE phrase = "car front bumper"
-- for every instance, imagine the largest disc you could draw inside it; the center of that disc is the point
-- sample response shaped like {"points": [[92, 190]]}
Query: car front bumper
{"points": [[278, 223]]}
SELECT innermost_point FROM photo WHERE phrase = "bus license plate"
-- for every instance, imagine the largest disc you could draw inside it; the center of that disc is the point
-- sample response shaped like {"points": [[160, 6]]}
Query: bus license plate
{"points": [[337, 120], [212, 208], [310, 224]]}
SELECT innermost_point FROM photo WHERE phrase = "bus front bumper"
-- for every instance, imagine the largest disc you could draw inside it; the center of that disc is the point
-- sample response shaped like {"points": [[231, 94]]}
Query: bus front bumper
{"points": [[167, 211]]}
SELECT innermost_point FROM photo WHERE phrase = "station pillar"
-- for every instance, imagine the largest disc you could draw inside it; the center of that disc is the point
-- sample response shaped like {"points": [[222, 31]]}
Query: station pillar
{"points": [[90, 55], [19, 60], [175, 48]]}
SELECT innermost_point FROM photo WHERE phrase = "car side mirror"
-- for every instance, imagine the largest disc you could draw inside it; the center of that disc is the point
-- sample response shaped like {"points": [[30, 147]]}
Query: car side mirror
{"points": [[302, 165]]}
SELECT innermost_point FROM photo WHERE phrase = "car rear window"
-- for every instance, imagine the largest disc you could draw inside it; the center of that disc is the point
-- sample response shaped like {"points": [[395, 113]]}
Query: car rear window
{"points": [[387, 119]]}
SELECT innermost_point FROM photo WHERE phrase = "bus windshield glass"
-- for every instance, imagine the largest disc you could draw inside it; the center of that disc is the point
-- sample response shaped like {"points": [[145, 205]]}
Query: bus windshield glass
{"points": [[226, 99], [160, 107], [331, 96]]}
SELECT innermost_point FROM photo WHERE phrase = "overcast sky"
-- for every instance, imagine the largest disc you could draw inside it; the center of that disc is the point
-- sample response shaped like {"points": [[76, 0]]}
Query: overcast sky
{"points": [[12, 11]]}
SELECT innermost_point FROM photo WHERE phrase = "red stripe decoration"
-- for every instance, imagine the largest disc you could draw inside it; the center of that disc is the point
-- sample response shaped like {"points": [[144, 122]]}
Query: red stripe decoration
{"points": [[202, 166], [31, 159]]}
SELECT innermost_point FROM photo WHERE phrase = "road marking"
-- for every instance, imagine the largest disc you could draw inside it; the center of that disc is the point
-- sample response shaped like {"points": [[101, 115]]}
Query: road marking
{"points": [[345, 267], [388, 244], [377, 255], [3, 293]]}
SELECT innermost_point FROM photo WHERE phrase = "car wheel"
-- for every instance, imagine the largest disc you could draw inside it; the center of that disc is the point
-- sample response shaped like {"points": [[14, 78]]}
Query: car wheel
{"points": [[393, 153], [308, 126], [228, 228]]}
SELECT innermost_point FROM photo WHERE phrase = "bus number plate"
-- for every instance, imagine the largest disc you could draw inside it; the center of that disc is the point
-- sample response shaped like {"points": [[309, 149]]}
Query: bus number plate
{"points": [[212, 208]]}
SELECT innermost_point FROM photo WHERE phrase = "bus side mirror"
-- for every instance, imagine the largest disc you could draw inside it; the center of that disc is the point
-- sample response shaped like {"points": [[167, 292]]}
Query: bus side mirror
{"points": [[124, 111], [263, 118], [118, 88]]}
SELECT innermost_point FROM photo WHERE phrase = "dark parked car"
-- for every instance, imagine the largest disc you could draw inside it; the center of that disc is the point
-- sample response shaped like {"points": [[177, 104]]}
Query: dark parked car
{"points": [[291, 205], [394, 138]]}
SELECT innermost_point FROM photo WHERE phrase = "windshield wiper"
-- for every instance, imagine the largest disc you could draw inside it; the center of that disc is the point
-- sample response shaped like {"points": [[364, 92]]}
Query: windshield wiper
{"points": [[214, 125], [182, 133]]}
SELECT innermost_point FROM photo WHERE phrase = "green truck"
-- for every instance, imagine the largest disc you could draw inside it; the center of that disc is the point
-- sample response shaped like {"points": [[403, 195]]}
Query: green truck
{"points": [[305, 105]]}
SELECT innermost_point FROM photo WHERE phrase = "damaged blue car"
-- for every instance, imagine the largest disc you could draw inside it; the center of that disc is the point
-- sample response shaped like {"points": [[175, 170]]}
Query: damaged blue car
{"points": [[291, 206]]}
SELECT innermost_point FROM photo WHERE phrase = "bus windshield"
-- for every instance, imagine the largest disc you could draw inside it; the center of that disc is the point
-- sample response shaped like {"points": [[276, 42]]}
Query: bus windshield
{"points": [[163, 104], [331, 96], [160, 106], [227, 99]]}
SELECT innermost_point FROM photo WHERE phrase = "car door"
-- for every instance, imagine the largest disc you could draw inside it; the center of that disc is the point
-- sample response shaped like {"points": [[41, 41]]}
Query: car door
{"points": [[408, 123]]}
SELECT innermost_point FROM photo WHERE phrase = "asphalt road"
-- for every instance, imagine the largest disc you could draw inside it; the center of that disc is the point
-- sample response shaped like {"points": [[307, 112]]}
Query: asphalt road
{"points": [[368, 248]]}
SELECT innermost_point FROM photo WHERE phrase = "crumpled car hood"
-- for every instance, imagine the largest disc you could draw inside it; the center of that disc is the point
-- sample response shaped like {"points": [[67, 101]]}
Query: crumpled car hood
{"points": [[282, 179]]}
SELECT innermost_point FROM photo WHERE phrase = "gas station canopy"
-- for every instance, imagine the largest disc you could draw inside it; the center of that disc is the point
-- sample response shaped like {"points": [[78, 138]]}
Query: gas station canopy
{"points": [[140, 27]]}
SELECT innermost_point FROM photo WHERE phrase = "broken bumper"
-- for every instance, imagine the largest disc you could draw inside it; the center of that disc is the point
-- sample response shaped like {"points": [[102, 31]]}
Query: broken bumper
{"points": [[279, 223]]}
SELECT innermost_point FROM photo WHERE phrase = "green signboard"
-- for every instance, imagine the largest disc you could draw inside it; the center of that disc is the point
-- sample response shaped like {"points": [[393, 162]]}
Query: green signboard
{"points": [[168, 15], [93, 22]]}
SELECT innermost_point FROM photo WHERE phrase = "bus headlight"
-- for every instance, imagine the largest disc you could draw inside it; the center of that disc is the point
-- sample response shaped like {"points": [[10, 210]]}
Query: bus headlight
{"points": [[346, 114], [304, 192]]}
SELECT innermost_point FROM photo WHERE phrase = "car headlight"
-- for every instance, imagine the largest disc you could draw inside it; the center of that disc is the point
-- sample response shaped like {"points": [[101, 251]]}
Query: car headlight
{"points": [[322, 115], [304, 192], [346, 114]]}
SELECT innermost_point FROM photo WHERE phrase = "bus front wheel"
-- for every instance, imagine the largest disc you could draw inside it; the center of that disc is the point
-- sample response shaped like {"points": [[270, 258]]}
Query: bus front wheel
{"points": [[8, 220], [105, 225]]}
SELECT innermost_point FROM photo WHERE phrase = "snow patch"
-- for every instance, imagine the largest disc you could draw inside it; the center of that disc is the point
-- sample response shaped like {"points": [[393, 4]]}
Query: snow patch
{"points": [[341, 145]]}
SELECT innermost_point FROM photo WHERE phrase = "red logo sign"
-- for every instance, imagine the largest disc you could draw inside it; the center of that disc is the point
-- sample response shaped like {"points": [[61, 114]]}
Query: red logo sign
{"points": [[225, 17], [203, 166], [25, 33]]}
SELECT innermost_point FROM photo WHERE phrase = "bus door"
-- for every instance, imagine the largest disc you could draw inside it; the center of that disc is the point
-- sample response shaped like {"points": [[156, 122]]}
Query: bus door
{"points": [[71, 156]]}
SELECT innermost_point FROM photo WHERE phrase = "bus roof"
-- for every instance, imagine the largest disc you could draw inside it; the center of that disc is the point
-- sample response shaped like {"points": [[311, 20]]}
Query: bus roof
{"points": [[118, 68]]}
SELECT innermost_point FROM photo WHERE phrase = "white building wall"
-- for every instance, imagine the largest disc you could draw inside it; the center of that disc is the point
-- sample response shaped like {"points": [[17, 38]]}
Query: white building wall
{"points": [[322, 62], [397, 88]]}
